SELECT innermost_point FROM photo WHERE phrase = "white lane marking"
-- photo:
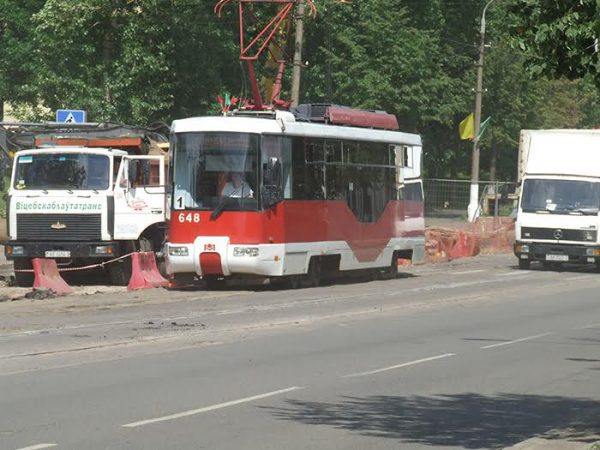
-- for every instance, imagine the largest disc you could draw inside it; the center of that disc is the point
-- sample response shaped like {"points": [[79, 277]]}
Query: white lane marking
{"points": [[587, 327], [529, 338], [577, 278], [37, 446], [466, 272], [192, 412], [398, 366], [519, 273]]}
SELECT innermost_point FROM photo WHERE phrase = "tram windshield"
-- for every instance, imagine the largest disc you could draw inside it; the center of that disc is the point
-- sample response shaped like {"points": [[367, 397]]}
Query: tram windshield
{"points": [[216, 170]]}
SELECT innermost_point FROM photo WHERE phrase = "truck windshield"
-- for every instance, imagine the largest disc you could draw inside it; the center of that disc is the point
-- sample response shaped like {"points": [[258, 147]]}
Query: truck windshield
{"points": [[62, 171], [216, 170], [560, 196]]}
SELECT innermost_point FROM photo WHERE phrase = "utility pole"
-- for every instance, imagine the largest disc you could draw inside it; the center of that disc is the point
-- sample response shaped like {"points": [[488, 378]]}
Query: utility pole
{"points": [[297, 71], [473, 209]]}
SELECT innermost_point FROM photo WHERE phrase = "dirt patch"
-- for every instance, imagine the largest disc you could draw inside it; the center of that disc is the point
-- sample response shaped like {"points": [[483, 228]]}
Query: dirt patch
{"points": [[3, 233]]}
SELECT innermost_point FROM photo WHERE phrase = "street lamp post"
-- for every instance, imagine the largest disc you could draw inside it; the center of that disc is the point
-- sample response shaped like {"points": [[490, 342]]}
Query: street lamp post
{"points": [[473, 209]]}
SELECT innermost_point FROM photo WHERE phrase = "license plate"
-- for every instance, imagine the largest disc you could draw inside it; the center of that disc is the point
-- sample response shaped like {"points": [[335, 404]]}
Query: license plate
{"points": [[58, 254], [557, 257]]}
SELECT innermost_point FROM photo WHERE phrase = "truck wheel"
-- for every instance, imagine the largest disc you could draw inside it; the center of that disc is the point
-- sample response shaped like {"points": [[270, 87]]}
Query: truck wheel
{"points": [[120, 272], [23, 279], [145, 245], [524, 264]]}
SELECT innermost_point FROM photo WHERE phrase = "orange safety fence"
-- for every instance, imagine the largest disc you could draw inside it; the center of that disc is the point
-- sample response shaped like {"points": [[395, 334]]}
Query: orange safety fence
{"points": [[485, 236]]}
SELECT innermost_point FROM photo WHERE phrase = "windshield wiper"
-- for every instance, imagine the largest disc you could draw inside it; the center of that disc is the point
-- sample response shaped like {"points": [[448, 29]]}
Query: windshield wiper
{"points": [[219, 208], [536, 210], [584, 211]]}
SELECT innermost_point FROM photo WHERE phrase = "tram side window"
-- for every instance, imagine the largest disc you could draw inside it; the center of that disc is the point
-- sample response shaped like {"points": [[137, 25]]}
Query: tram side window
{"points": [[308, 168], [357, 172], [276, 163], [413, 192]]}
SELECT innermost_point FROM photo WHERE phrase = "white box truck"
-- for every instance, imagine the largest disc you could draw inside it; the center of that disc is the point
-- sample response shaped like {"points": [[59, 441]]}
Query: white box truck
{"points": [[557, 220], [82, 205]]}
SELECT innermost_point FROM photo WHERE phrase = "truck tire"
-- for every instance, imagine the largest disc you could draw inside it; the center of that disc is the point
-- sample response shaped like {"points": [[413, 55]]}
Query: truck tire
{"points": [[119, 272], [524, 264], [23, 279]]}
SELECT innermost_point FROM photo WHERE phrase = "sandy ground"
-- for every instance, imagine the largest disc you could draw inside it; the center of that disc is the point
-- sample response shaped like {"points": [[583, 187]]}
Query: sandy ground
{"points": [[3, 235]]}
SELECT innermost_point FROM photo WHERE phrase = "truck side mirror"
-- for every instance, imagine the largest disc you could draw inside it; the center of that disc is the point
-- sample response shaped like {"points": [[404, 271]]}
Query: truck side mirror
{"points": [[132, 172]]}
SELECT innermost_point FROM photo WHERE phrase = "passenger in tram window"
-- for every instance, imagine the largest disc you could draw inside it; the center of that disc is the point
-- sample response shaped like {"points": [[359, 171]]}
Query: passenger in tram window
{"points": [[237, 187]]}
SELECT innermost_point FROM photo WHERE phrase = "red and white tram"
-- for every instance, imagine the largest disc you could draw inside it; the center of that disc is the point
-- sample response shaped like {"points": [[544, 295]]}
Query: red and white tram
{"points": [[293, 196]]}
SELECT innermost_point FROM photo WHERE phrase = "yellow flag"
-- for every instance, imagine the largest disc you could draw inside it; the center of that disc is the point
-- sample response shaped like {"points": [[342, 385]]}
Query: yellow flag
{"points": [[466, 129]]}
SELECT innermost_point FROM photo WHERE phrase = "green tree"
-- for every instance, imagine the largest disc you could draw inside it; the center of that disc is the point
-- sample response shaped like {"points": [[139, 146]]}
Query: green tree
{"points": [[108, 57], [133, 60], [398, 56], [559, 38], [17, 67]]}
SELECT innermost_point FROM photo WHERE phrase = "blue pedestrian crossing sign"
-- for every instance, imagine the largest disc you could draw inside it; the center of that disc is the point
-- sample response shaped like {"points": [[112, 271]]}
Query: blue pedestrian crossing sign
{"points": [[70, 116]]}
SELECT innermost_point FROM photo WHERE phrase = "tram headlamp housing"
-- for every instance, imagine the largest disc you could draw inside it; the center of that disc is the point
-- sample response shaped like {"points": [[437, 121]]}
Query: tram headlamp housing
{"points": [[178, 251], [246, 251]]}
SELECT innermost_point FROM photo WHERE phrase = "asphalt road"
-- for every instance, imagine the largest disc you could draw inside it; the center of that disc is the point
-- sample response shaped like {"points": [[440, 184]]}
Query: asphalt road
{"points": [[472, 354]]}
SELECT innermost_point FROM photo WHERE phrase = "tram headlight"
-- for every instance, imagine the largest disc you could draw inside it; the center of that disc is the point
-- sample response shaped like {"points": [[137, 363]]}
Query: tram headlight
{"points": [[246, 251], [178, 251]]}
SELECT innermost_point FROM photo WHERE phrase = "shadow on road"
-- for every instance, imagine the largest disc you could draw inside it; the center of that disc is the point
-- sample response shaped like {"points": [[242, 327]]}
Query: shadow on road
{"points": [[469, 420]]}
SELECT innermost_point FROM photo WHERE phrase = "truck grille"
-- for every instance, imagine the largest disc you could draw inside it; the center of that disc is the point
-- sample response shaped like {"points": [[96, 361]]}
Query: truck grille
{"points": [[59, 227], [558, 234]]}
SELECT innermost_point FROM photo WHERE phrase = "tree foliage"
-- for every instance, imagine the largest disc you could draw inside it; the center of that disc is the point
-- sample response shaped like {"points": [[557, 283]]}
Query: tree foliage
{"points": [[17, 67], [559, 38], [139, 61]]}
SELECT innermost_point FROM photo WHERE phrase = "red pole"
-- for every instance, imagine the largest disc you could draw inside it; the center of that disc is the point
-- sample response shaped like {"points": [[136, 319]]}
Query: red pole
{"points": [[256, 97]]}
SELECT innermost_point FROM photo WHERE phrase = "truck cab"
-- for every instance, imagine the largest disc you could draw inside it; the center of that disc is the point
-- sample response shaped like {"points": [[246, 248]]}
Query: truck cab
{"points": [[557, 220], [82, 206]]}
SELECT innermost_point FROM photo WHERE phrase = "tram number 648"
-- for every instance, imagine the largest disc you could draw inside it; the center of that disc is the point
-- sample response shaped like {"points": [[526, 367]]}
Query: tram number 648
{"points": [[189, 218]]}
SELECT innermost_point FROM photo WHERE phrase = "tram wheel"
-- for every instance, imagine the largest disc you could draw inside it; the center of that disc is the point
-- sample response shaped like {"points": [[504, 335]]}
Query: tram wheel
{"points": [[391, 271], [214, 283], [291, 281], [313, 277]]}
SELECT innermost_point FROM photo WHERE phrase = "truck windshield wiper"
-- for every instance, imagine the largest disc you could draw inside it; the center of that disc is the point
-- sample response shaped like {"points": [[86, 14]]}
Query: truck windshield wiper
{"points": [[584, 211]]}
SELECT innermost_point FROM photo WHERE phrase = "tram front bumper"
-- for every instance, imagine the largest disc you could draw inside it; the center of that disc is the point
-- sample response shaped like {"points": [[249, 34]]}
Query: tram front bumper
{"points": [[263, 260]]}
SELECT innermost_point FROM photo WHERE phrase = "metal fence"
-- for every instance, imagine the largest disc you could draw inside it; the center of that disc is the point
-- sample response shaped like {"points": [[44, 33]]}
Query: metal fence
{"points": [[450, 198]]}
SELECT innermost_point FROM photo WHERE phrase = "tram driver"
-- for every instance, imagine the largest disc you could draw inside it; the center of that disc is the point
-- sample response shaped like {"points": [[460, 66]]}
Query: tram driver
{"points": [[237, 187]]}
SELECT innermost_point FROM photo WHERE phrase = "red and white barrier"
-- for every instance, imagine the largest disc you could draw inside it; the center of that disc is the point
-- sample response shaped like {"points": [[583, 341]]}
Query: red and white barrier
{"points": [[144, 272], [46, 276]]}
